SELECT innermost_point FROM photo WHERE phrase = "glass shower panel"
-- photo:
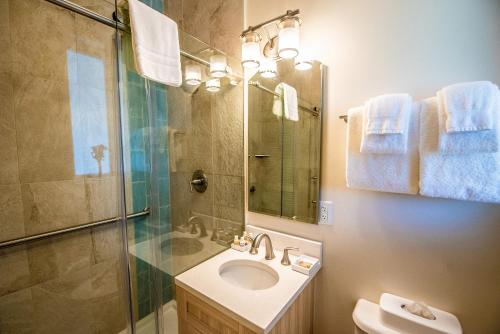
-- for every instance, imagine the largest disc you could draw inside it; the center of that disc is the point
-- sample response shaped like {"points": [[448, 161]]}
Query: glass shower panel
{"points": [[60, 168], [144, 117], [265, 153], [169, 133]]}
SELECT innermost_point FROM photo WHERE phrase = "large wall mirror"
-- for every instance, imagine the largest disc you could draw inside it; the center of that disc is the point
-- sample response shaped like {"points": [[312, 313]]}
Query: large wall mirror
{"points": [[284, 146]]}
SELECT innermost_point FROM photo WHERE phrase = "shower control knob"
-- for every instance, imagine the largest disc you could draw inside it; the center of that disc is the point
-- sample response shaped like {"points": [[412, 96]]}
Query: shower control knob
{"points": [[199, 181]]}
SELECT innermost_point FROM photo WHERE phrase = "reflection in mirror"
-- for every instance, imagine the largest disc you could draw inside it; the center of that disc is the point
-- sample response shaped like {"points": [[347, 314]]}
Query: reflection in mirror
{"points": [[284, 139]]}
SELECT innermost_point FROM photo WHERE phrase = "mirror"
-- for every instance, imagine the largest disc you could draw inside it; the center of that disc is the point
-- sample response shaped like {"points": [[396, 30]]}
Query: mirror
{"points": [[284, 153]]}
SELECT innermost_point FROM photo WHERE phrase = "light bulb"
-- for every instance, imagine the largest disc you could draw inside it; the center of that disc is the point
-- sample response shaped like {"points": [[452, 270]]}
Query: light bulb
{"points": [[218, 66], [250, 50], [267, 68], [302, 63], [288, 37], [213, 85], [192, 75]]}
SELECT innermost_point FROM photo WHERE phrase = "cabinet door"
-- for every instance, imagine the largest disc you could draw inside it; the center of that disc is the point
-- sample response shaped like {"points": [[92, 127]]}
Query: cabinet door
{"points": [[196, 316]]}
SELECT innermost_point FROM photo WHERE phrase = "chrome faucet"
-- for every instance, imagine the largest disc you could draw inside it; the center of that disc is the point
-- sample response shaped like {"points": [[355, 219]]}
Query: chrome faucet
{"points": [[195, 220], [269, 246]]}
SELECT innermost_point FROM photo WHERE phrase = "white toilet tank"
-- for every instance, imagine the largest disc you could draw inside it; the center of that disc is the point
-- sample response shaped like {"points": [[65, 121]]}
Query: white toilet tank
{"points": [[389, 317]]}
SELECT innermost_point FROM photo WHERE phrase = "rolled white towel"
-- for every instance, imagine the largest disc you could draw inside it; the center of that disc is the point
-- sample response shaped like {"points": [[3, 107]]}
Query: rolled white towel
{"points": [[469, 105], [469, 142]]}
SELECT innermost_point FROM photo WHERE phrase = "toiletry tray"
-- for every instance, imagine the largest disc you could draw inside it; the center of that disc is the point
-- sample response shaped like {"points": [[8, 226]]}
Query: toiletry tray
{"points": [[241, 248], [311, 267]]}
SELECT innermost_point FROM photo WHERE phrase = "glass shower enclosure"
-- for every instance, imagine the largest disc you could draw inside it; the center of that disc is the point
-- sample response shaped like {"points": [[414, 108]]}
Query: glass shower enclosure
{"points": [[98, 210]]}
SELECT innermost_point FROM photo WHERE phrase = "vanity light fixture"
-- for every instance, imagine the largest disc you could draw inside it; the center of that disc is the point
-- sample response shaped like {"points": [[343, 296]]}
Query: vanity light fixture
{"points": [[192, 75], [250, 49], [213, 85], [218, 66], [283, 45], [268, 68], [289, 37]]}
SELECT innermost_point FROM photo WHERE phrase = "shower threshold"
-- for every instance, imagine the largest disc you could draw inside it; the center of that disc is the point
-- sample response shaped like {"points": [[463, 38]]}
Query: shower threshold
{"points": [[170, 326]]}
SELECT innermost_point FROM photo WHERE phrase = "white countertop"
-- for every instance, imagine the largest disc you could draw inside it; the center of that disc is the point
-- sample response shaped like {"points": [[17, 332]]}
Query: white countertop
{"points": [[259, 309]]}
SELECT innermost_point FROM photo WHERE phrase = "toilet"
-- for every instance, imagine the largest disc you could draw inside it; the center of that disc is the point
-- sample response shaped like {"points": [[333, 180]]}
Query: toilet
{"points": [[389, 317]]}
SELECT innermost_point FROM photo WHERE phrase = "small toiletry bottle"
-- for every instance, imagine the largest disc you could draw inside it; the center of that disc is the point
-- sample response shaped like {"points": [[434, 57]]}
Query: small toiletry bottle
{"points": [[242, 242], [236, 240]]}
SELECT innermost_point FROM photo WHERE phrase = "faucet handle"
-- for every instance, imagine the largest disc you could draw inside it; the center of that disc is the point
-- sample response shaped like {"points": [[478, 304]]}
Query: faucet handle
{"points": [[286, 260]]}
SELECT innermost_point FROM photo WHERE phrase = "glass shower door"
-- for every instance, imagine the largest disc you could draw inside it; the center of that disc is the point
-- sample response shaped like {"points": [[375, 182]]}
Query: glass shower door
{"points": [[60, 172], [169, 134]]}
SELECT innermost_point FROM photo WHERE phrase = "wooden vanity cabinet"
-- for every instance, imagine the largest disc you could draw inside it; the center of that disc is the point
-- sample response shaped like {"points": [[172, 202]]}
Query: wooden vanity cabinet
{"points": [[200, 317]]}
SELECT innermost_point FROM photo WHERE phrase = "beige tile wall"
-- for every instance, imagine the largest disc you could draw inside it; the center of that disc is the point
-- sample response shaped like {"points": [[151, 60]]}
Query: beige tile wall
{"points": [[70, 283], [211, 124]]}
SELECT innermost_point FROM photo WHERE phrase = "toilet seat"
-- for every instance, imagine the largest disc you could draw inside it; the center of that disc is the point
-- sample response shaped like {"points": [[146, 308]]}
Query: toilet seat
{"points": [[366, 316]]}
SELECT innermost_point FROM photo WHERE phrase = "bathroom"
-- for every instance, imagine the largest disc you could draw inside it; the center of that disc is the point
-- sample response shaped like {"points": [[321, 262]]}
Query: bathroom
{"points": [[121, 193]]}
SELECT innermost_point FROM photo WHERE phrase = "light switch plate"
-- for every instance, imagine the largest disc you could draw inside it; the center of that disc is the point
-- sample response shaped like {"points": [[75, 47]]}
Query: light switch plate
{"points": [[325, 211]]}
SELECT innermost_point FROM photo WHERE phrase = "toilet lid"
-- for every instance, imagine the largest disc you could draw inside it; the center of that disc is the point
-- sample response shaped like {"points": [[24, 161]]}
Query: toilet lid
{"points": [[366, 316]]}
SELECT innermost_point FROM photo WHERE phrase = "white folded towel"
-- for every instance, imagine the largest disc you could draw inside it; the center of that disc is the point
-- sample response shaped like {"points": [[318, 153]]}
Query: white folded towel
{"points": [[155, 41], [471, 177], [396, 173], [387, 143], [470, 141], [468, 106], [286, 102], [387, 114], [278, 101]]}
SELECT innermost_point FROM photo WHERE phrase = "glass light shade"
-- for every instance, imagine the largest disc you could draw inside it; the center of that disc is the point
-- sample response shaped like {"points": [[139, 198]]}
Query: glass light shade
{"points": [[303, 64], [267, 68], [213, 85], [218, 66], [289, 38], [250, 50], [192, 75]]}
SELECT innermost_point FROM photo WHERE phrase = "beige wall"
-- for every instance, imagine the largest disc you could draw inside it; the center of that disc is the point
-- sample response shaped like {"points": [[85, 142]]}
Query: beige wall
{"points": [[444, 252]]}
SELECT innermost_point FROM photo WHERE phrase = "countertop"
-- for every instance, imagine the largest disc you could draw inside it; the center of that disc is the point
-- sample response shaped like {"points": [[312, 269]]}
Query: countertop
{"points": [[258, 309]]}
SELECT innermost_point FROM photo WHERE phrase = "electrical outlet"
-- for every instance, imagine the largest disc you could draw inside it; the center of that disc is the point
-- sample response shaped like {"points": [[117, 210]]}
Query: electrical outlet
{"points": [[325, 208]]}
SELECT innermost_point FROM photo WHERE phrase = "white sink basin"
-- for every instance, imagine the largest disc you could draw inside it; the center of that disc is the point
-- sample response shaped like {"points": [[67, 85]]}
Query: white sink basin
{"points": [[248, 274]]}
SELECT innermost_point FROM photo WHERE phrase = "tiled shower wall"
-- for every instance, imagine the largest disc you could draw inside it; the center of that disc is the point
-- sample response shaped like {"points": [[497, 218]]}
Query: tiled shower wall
{"points": [[208, 127], [57, 88]]}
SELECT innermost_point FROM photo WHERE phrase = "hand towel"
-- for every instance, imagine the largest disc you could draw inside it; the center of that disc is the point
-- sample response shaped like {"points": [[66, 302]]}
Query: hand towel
{"points": [[286, 103], [390, 143], [396, 173], [387, 114], [468, 106], [470, 141], [471, 177], [278, 101], [155, 41]]}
